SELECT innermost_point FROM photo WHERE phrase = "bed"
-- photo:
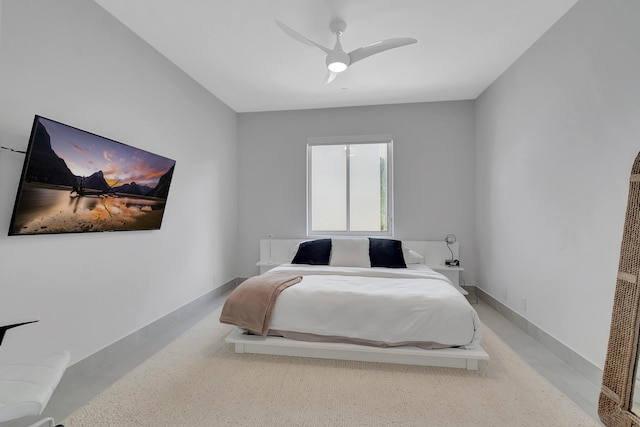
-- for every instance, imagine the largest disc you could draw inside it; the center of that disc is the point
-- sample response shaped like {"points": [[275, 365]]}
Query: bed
{"points": [[361, 299]]}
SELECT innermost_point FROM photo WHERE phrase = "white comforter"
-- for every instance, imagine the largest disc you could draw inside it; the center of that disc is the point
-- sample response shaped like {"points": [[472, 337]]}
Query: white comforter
{"points": [[377, 304]]}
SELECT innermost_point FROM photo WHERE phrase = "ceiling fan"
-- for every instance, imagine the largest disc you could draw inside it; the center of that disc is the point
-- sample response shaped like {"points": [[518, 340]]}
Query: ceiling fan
{"points": [[337, 59]]}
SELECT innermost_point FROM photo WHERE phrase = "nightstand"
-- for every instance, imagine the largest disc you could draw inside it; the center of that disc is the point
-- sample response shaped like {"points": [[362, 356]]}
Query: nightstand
{"points": [[452, 273], [267, 265]]}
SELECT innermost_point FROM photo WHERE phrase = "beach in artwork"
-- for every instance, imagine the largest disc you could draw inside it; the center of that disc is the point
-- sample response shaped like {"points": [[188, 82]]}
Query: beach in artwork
{"points": [[46, 209]]}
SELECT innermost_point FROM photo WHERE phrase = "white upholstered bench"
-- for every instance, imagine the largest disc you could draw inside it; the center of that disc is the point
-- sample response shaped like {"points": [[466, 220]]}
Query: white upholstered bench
{"points": [[27, 386]]}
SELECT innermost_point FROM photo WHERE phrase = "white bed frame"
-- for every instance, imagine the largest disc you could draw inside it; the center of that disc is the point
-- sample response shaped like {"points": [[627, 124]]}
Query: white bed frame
{"points": [[405, 355], [274, 252]]}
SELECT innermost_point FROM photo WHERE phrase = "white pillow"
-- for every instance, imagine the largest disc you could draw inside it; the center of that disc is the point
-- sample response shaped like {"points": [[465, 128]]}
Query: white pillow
{"points": [[411, 256], [351, 252]]}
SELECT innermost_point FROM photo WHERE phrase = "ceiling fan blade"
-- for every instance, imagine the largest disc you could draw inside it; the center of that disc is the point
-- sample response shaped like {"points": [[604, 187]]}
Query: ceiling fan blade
{"points": [[330, 76], [377, 47], [294, 34]]}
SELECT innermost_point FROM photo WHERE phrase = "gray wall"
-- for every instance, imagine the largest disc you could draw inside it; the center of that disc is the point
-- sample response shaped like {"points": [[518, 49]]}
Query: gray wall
{"points": [[556, 137], [433, 171], [71, 61]]}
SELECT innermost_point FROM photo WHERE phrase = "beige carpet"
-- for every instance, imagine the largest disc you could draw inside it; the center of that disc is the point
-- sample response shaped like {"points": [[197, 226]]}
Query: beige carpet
{"points": [[198, 380]]}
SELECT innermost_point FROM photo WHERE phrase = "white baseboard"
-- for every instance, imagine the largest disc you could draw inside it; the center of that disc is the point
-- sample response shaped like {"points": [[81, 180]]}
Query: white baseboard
{"points": [[121, 348], [586, 368]]}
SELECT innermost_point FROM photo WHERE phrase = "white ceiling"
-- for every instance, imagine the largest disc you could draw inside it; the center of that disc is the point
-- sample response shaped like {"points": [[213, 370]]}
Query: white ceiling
{"points": [[235, 50]]}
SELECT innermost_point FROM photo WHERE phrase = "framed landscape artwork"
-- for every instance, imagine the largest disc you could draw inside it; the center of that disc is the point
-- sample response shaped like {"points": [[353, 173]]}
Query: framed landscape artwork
{"points": [[74, 181]]}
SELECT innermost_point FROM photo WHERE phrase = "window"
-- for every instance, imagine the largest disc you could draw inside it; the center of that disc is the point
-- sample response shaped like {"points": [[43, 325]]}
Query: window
{"points": [[349, 185]]}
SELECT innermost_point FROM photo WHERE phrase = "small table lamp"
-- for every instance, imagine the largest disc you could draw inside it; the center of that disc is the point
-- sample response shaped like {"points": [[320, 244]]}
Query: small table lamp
{"points": [[451, 239]]}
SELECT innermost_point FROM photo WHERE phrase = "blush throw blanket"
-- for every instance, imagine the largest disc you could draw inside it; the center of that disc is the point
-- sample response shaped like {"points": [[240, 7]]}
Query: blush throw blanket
{"points": [[250, 305]]}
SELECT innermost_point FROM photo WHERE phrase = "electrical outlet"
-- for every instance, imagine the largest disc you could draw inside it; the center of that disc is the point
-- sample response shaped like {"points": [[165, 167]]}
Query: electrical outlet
{"points": [[505, 294]]}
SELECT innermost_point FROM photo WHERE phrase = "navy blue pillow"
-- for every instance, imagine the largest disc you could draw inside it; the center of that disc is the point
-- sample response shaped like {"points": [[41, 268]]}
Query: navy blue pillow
{"points": [[315, 252], [386, 253]]}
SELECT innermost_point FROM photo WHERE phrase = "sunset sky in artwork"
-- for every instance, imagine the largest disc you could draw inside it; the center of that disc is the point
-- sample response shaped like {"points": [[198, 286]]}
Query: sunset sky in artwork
{"points": [[86, 153]]}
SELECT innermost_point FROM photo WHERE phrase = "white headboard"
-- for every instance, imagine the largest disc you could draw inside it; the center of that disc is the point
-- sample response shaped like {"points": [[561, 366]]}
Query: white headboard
{"points": [[282, 251]]}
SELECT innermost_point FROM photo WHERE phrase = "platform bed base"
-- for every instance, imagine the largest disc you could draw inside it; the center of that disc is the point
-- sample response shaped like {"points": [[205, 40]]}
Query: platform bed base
{"points": [[447, 357]]}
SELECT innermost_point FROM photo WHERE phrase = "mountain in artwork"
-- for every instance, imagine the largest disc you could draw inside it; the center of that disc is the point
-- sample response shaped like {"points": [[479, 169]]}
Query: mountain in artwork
{"points": [[44, 165], [162, 189]]}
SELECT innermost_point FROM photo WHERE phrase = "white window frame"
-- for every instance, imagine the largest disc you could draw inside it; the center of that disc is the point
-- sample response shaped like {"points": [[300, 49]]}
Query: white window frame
{"points": [[352, 140]]}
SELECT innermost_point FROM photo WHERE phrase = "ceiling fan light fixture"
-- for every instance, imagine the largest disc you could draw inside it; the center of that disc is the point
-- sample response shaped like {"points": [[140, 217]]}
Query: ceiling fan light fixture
{"points": [[337, 61], [337, 67]]}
